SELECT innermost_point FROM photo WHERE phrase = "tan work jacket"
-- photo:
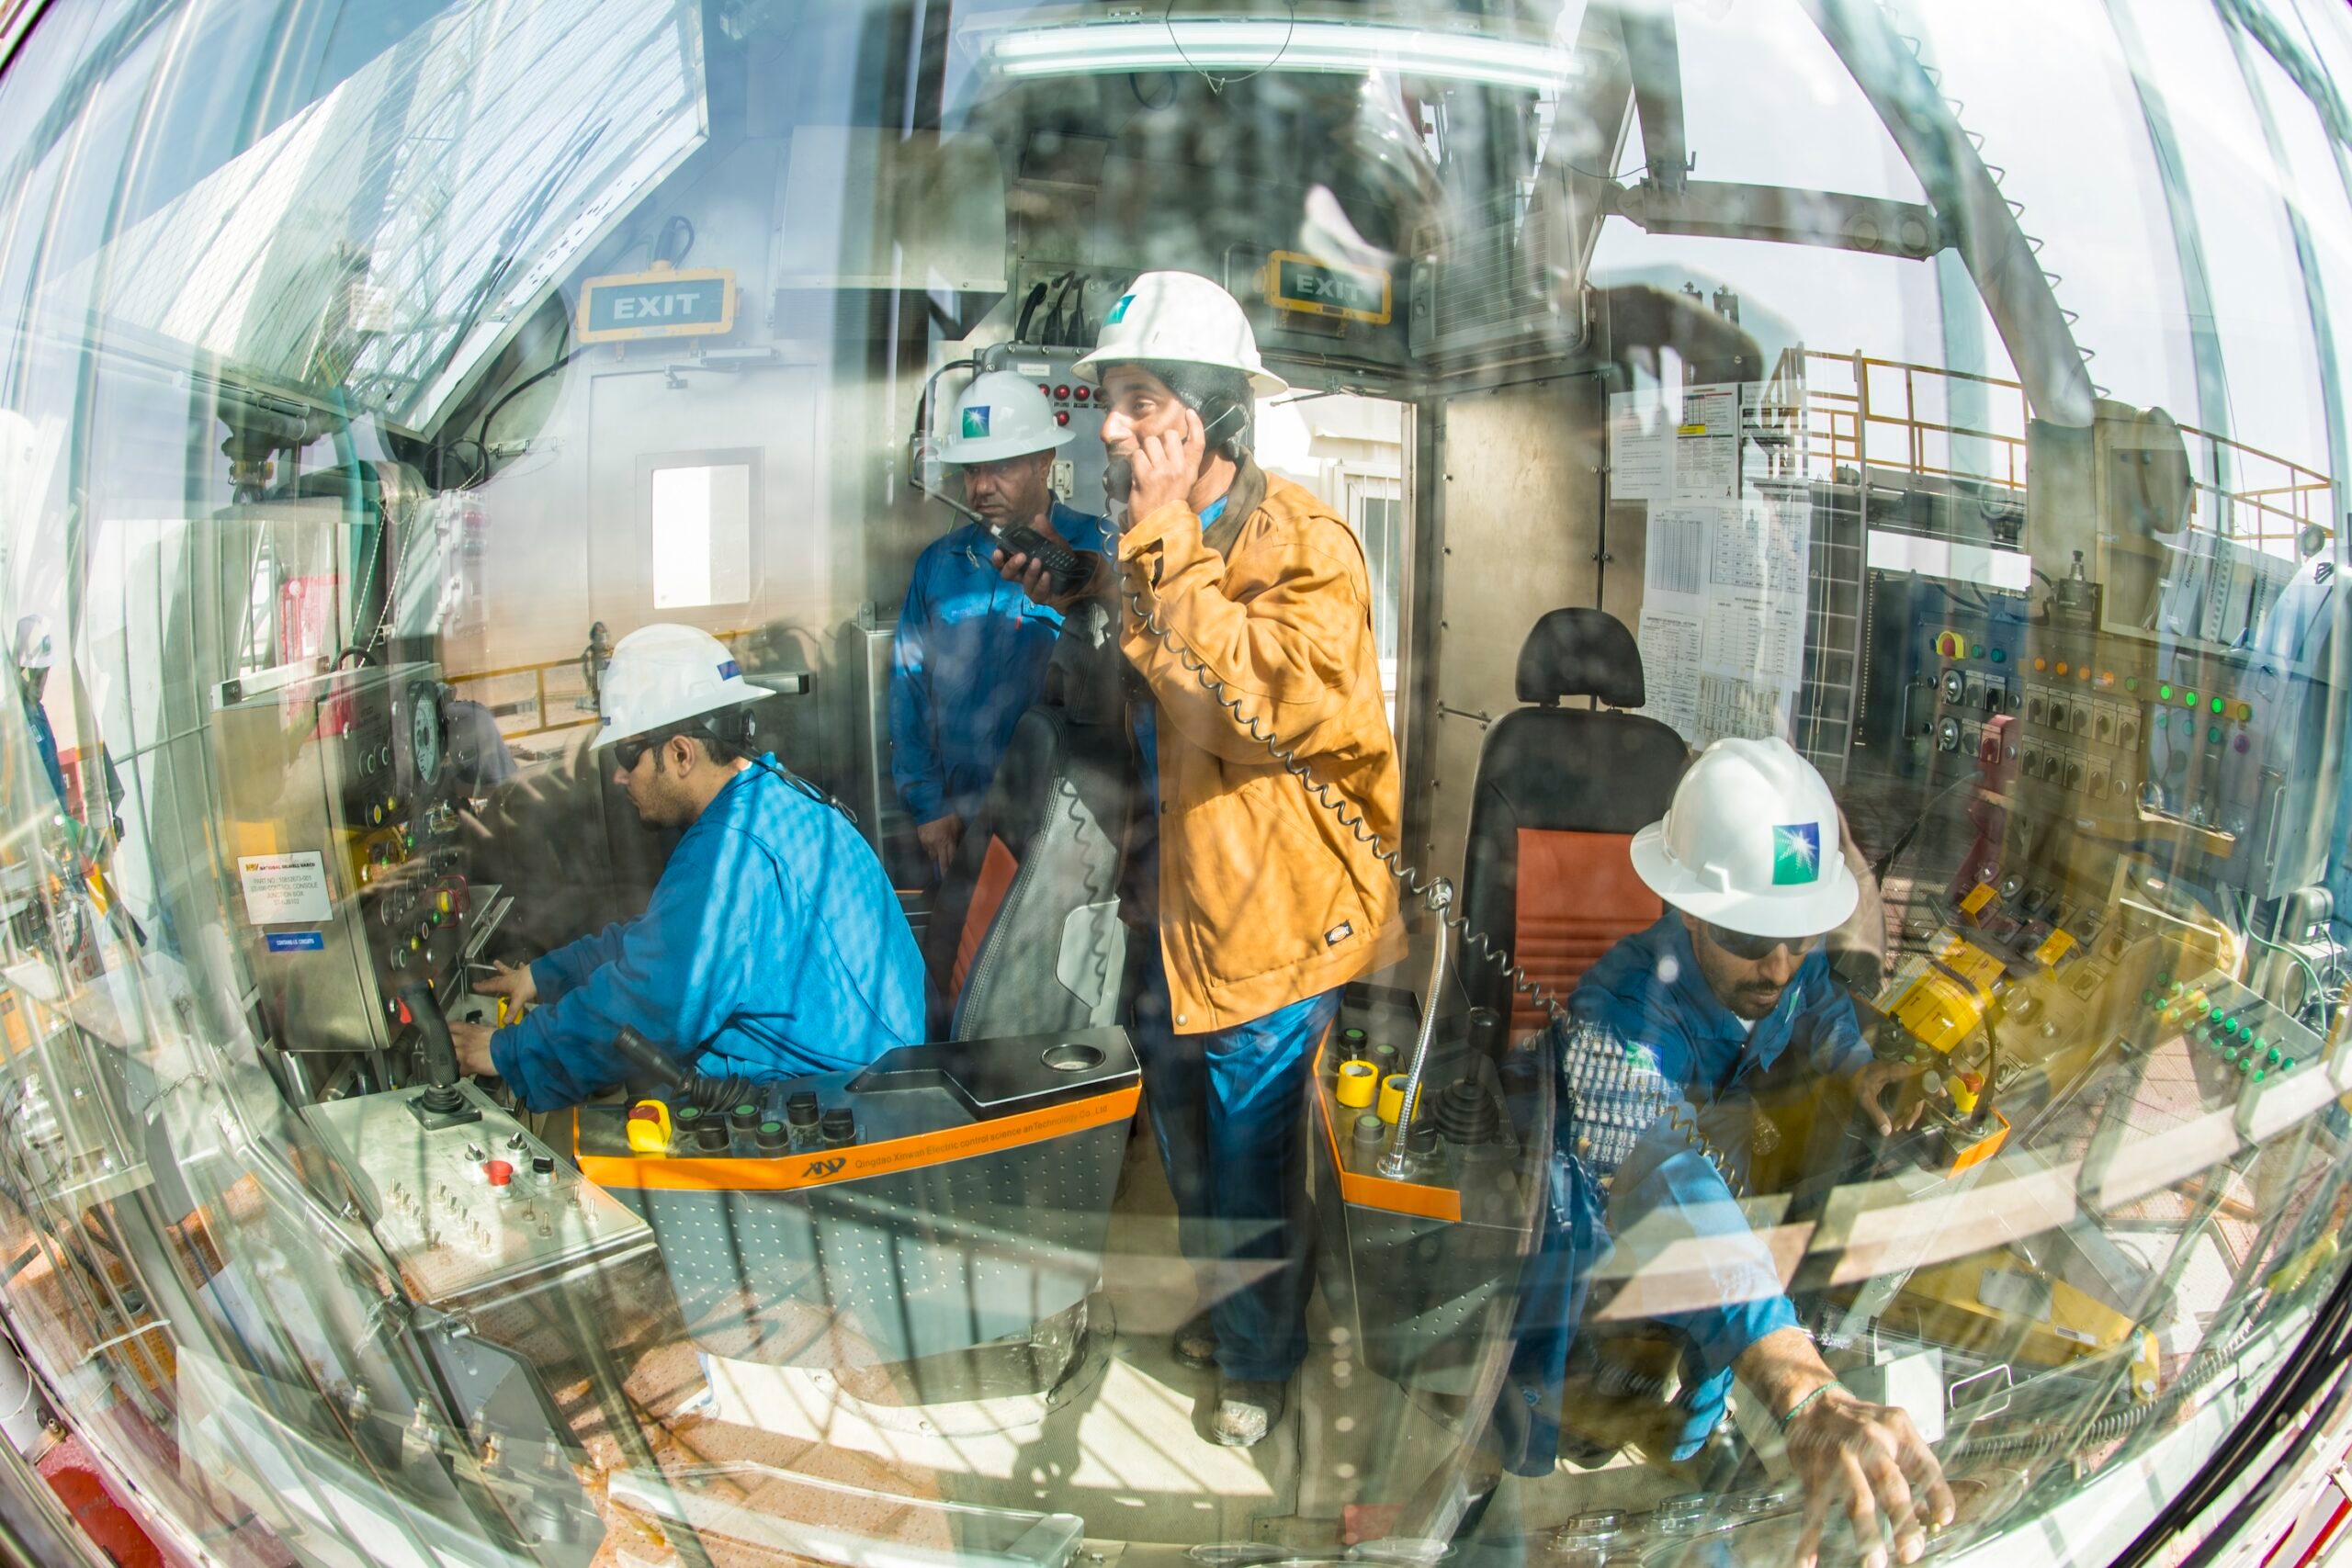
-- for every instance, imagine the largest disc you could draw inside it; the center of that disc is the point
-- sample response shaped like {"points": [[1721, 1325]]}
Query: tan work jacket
{"points": [[1265, 899]]}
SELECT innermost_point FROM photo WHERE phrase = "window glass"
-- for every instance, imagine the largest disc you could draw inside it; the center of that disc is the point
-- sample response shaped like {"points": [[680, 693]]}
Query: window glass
{"points": [[702, 539], [1024, 783]]}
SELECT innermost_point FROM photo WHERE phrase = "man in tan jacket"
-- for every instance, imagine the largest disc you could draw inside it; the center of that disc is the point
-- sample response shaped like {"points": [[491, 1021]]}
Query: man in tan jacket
{"points": [[1267, 902]]}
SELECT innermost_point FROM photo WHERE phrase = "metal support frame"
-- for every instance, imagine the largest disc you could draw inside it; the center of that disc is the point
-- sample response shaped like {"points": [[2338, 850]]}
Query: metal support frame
{"points": [[2036, 332], [1872, 225]]}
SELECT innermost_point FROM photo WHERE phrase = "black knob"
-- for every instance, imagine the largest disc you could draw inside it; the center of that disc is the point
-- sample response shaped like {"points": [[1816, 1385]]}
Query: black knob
{"points": [[710, 1134], [1486, 1032], [801, 1108], [840, 1125], [1422, 1139], [543, 1165]]}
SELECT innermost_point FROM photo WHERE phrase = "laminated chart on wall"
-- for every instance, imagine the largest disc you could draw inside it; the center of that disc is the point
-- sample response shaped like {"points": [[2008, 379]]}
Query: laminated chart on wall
{"points": [[1724, 583]]}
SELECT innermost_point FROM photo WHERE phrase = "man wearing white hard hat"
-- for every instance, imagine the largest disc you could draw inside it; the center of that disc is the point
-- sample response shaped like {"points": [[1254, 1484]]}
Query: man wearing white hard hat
{"points": [[1671, 1037], [971, 650], [1264, 903], [773, 946]]}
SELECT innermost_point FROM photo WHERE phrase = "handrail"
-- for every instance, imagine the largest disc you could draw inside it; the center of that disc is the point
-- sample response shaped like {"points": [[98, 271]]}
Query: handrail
{"points": [[1843, 420], [539, 673]]}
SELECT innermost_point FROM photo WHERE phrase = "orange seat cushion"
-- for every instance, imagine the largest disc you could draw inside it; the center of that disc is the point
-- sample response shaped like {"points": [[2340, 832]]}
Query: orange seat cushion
{"points": [[997, 868], [1577, 894]]}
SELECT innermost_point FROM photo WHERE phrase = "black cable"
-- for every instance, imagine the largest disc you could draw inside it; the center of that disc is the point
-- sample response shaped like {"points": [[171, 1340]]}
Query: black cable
{"points": [[482, 433], [662, 239], [1147, 103]]}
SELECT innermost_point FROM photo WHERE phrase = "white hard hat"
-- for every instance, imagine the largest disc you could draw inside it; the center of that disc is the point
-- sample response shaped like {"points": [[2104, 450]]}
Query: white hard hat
{"points": [[664, 674], [1184, 317], [1002, 415], [1750, 844], [32, 646]]}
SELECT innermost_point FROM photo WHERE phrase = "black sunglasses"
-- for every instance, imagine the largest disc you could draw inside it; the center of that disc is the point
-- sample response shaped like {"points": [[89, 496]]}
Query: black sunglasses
{"points": [[1756, 949], [626, 752]]}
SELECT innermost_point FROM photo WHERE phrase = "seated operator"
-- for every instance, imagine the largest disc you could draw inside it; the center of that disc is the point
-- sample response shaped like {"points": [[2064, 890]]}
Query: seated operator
{"points": [[971, 650], [1669, 1041], [774, 945]]}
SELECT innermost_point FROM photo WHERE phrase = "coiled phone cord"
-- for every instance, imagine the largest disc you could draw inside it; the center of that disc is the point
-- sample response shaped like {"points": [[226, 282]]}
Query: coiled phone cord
{"points": [[1447, 909]]}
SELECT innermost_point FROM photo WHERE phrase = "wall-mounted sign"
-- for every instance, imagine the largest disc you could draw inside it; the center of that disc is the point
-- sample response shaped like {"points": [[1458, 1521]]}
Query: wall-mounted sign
{"points": [[1301, 283], [660, 304]]}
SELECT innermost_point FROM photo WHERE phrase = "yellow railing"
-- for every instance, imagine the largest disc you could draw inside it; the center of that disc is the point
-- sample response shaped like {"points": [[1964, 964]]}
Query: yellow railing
{"points": [[504, 692], [1865, 411]]}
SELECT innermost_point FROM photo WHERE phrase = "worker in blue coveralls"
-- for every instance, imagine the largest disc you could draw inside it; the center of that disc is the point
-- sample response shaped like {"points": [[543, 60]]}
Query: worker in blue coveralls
{"points": [[774, 945], [1668, 1043], [971, 650]]}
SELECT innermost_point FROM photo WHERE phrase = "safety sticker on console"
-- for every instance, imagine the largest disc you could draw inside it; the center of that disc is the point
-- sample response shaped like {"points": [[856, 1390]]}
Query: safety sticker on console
{"points": [[283, 889]]}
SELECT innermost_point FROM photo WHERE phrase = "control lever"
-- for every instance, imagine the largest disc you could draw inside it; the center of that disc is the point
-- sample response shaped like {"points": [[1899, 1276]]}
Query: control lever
{"points": [[1066, 568], [648, 1058], [440, 1105]]}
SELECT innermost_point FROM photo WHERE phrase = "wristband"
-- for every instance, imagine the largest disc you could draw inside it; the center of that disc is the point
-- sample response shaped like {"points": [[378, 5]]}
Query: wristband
{"points": [[1808, 1399]]}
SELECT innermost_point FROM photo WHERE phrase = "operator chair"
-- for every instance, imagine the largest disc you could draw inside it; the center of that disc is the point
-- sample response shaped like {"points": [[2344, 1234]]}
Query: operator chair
{"points": [[1026, 936], [1549, 876]]}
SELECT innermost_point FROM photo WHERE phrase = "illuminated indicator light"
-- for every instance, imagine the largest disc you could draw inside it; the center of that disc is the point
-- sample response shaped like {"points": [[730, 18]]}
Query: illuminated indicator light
{"points": [[2062, 667], [2189, 700], [2218, 706], [2042, 664], [2163, 693], [2082, 672]]}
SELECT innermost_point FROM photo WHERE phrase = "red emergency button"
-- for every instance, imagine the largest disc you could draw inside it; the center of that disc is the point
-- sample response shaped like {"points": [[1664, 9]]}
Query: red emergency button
{"points": [[1084, 393], [1061, 391], [499, 1172], [1061, 416]]}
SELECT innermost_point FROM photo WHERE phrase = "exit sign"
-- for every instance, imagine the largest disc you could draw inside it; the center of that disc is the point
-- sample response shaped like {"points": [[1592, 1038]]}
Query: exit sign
{"points": [[660, 303], [1316, 288]]}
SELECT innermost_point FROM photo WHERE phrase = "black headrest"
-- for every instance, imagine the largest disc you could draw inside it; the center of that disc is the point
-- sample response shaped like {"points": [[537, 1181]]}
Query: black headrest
{"points": [[1580, 653]]}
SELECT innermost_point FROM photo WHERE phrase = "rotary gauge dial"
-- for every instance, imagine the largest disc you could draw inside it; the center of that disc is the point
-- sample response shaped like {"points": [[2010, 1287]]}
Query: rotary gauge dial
{"points": [[424, 736]]}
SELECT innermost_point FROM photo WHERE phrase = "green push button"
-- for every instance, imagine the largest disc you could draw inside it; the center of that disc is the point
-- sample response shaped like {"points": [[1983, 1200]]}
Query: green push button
{"points": [[2246, 1064], [2130, 683], [2214, 735], [2000, 656], [2260, 1074], [1976, 650]]}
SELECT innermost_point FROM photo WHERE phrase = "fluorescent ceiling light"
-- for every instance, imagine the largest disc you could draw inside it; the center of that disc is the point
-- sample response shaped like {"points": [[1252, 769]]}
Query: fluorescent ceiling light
{"points": [[1238, 47]]}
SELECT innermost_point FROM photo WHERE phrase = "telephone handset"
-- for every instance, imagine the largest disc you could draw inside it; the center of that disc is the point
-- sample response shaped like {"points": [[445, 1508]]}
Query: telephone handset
{"points": [[1222, 420], [1065, 567]]}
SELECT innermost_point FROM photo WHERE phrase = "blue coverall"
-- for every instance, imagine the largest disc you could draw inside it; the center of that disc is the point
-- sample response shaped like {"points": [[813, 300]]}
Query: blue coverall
{"points": [[1648, 1045], [969, 661], [774, 947]]}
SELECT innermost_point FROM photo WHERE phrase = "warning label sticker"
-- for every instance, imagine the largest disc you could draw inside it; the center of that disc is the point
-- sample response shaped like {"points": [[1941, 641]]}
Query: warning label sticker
{"points": [[285, 889]]}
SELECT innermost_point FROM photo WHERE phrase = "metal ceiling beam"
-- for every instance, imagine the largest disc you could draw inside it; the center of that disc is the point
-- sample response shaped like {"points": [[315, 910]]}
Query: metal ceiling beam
{"points": [[1872, 225], [2040, 339]]}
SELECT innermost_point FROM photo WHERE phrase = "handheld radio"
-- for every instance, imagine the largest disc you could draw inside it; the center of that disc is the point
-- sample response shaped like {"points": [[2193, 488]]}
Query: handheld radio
{"points": [[1065, 567]]}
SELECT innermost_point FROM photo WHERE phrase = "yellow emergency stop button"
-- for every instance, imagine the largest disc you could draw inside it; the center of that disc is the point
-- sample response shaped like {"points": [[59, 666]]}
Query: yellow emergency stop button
{"points": [[649, 1127]]}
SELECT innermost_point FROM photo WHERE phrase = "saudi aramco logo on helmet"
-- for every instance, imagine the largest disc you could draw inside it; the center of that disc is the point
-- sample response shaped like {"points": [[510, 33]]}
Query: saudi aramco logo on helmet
{"points": [[1796, 853], [976, 422]]}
